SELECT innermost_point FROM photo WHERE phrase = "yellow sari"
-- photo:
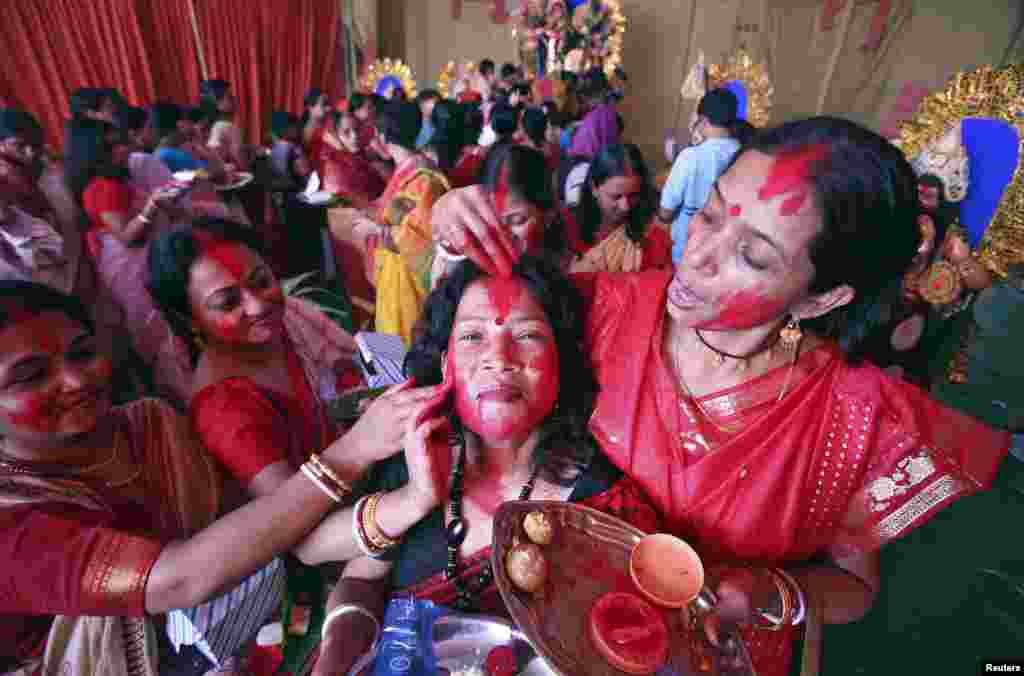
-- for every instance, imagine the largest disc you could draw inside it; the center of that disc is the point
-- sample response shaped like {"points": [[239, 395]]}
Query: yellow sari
{"points": [[403, 263]]}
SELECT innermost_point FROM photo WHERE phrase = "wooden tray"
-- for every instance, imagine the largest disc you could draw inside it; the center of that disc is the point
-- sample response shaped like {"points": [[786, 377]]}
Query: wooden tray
{"points": [[588, 558]]}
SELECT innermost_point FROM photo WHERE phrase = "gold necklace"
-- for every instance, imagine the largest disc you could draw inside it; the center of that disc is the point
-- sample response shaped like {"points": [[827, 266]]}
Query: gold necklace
{"points": [[16, 466], [676, 349]]}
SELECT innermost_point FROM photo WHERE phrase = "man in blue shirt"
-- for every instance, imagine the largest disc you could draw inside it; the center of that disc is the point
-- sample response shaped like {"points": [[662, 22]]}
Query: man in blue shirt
{"points": [[698, 167]]}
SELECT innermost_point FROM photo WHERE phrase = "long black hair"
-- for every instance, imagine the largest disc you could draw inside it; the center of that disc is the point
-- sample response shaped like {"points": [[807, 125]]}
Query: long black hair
{"points": [[620, 159], [565, 446], [32, 298], [211, 93], [535, 125], [400, 123], [449, 136], [89, 155], [866, 192], [170, 259]]}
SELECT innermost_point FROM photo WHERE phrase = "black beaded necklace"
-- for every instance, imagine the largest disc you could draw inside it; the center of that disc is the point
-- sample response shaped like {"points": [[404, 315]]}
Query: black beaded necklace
{"points": [[468, 597]]}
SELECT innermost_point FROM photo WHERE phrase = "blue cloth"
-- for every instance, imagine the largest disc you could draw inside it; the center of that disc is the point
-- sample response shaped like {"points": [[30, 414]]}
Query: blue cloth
{"points": [[689, 184], [178, 160], [992, 148], [426, 132]]}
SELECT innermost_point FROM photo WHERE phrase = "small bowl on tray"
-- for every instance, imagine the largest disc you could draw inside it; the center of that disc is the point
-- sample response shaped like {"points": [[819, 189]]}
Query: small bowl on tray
{"points": [[589, 559]]}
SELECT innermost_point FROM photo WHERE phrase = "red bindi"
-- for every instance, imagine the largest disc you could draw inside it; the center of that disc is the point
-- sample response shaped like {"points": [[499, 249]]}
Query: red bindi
{"points": [[790, 173], [735, 211]]}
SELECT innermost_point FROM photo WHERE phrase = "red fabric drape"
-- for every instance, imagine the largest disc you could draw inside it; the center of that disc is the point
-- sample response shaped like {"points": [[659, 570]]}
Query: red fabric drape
{"points": [[171, 47], [271, 52], [52, 47]]}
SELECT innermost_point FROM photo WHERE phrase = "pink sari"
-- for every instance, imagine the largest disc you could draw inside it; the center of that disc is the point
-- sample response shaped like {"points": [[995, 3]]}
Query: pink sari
{"points": [[848, 460]]}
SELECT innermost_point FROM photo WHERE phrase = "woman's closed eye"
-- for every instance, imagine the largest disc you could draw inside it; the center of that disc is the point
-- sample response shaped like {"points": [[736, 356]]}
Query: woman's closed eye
{"points": [[756, 262], [26, 373], [225, 301]]}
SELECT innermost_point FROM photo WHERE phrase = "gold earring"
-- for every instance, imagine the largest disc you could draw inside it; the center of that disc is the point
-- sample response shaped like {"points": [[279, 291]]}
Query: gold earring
{"points": [[790, 335], [197, 338]]}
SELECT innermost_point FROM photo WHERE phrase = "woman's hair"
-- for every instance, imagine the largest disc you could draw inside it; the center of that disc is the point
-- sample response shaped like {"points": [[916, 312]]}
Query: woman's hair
{"points": [[449, 136], [88, 155], [535, 125], [130, 118], [867, 194], [565, 446], [400, 124], [504, 121], [474, 123], [86, 100], [487, 67], [15, 122], [611, 161], [524, 172], [170, 260], [194, 114], [311, 98], [281, 121], [357, 101], [20, 298], [163, 119], [211, 92]]}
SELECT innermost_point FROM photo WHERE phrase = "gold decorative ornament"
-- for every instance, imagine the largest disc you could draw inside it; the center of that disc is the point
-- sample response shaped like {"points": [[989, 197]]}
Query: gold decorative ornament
{"points": [[754, 76], [380, 72], [598, 30], [995, 93], [452, 76], [941, 284]]}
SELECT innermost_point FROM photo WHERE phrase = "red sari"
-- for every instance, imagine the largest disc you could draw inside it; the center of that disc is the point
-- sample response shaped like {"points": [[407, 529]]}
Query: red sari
{"points": [[616, 252], [349, 175], [248, 427], [850, 458], [81, 546]]}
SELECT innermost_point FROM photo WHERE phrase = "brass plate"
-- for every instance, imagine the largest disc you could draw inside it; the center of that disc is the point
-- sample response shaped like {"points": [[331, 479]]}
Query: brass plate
{"points": [[588, 558]]}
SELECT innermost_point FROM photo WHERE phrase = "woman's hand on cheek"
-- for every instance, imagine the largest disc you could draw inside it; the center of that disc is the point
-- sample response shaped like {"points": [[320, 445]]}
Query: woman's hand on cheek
{"points": [[380, 431]]}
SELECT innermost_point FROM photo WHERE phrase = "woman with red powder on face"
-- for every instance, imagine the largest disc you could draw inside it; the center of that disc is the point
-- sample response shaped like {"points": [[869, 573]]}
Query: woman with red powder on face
{"points": [[110, 516], [345, 169], [734, 390], [516, 180], [265, 365], [517, 394]]}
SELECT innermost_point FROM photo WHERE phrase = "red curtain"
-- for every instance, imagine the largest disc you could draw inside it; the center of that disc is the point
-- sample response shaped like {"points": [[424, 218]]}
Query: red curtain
{"points": [[52, 47], [171, 48], [271, 52]]}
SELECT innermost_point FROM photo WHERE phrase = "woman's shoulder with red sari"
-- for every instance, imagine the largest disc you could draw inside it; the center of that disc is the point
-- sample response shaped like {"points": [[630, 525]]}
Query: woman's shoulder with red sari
{"points": [[624, 308], [241, 425], [657, 246]]}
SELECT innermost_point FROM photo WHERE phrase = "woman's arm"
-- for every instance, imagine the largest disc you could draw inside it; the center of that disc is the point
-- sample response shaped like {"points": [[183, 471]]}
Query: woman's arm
{"points": [[350, 635], [189, 572], [848, 588], [398, 510]]}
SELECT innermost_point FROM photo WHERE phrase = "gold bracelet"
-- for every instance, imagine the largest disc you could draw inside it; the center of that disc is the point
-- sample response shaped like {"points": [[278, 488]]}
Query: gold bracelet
{"points": [[343, 486], [318, 472], [786, 595], [311, 475], [377, 537]]}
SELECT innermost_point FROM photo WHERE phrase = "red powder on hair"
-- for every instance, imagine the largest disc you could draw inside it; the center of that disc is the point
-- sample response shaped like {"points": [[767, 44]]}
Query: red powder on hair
{"points": [[504, 292], [228, 254], [790, 173]]}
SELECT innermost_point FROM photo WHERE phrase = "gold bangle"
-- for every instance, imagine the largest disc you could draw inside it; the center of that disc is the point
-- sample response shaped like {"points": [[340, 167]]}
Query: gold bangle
{"points": [[786, 595], [311, 475], [343, 486], [376, 536]]}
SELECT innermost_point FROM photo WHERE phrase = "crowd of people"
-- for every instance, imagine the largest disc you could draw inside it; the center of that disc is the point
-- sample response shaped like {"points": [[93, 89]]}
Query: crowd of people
{"points": [[697, 359]]}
